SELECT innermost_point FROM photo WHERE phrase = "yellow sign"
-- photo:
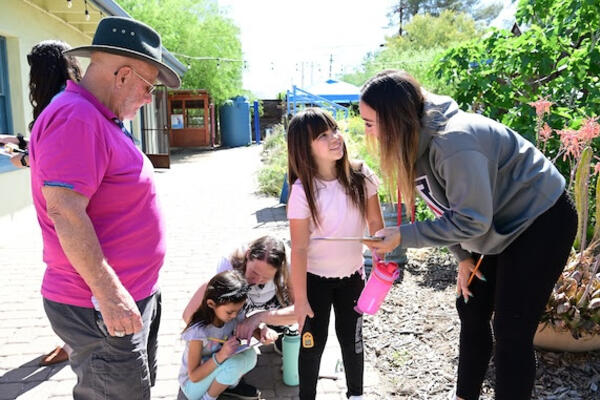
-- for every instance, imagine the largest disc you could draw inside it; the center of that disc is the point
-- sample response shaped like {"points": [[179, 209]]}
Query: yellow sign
{"points": [[307, 340]]}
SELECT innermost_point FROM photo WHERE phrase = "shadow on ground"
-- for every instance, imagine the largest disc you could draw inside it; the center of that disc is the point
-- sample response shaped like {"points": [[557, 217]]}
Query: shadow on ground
{"points": [[271, 214], [26, 377], [435, 272], [189, 154]]}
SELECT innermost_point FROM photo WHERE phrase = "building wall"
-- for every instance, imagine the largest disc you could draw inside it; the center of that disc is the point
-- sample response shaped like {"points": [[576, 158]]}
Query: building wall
{"points": [[23, 25]]}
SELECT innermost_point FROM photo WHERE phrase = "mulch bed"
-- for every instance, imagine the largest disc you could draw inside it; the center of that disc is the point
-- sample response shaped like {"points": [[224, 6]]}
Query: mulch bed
{"points": [[413, 341]]}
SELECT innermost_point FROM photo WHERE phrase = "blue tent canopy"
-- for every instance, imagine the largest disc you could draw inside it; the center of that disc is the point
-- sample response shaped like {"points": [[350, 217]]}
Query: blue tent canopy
{"points": [[329, 94], [335, 91]]}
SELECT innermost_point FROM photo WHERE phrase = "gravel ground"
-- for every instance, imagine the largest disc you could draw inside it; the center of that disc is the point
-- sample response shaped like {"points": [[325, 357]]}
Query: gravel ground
{"points": [[413, 341]]}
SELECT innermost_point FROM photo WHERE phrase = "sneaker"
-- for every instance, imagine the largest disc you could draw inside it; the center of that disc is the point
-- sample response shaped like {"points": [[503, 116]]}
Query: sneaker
{"points": [[277, 345], [243, 391]]}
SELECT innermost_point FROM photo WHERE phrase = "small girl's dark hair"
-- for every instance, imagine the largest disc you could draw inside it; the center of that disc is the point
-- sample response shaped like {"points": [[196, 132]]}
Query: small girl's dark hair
{"points": [[224, 288], [49, 71]]}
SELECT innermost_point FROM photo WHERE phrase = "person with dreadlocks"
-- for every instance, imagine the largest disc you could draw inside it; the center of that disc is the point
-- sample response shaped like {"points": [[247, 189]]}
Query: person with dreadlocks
{"points": [[49, 72]]}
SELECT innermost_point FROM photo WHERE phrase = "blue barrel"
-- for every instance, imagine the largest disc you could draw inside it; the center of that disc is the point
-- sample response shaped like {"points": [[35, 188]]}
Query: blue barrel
{"points": [[235, 122]]}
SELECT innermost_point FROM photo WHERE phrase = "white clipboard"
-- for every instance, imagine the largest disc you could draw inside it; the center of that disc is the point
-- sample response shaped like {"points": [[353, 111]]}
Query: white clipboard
{"points": [[349, 238]]}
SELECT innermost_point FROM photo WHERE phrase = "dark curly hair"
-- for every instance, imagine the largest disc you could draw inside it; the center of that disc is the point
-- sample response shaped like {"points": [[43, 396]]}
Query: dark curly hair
{"points": [[49, 71]]}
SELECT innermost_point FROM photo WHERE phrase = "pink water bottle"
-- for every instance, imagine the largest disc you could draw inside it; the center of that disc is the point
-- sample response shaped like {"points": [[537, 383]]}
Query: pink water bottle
{"points": [[379, 284]]}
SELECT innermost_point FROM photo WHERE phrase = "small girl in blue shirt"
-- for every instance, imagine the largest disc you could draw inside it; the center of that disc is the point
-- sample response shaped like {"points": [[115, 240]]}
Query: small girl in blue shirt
{"points": [[209, 363]]}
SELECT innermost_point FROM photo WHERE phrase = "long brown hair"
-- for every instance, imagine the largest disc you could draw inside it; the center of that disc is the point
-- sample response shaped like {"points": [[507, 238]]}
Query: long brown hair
{"points": [[224, 288], [272, 251], [49, 71], [305, 127], [397, 99]]}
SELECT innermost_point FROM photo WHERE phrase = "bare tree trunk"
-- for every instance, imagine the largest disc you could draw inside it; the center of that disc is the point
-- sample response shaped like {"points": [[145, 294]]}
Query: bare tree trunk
{"points": [[401, 12]]}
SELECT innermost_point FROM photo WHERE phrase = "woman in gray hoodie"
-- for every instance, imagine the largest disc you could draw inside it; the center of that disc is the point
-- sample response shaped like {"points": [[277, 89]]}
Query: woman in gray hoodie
{"points": [[494, 194]]}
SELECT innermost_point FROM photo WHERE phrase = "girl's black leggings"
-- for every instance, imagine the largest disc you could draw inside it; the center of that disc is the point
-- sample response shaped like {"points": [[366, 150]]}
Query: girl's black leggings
{"points": [[343, 294], [519, 283]]}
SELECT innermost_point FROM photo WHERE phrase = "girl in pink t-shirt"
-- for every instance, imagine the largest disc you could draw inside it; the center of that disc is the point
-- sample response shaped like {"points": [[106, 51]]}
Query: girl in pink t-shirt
{"points": [[330, 197]]}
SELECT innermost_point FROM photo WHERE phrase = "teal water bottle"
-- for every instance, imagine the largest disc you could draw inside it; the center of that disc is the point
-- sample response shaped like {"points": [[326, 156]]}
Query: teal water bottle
{"points": [[291, 350]]}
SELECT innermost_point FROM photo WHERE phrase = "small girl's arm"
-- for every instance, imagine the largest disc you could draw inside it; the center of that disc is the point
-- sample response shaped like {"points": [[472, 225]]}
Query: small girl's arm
{"points": [[300, 237], [198, 370], [374, 217]]}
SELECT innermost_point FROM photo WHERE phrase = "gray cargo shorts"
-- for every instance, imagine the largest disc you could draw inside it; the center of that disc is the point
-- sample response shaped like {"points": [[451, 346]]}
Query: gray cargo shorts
{"points": [[108, 367]]}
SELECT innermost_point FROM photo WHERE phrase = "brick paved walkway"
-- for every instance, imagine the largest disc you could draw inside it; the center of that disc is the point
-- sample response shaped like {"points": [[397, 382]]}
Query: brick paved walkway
{"points": [[211, 207]]}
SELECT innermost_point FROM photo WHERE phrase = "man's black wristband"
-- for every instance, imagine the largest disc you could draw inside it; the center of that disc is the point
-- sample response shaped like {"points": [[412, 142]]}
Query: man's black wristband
{"points": [[23, 161]]}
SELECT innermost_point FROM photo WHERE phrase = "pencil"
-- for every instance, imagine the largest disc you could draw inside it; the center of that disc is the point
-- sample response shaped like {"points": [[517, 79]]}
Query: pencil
{"points": [[475, 270], [217, 340]]}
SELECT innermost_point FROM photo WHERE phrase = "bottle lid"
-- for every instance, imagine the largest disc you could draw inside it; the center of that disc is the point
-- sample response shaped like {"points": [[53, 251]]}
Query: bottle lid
{"points": [[292, 330], [387, 268]]}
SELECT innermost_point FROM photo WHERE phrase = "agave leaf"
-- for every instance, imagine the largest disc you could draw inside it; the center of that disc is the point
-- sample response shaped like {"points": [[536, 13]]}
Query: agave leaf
{"points": [[570, 288], [563, 308], [597, 226], [582, 176], [579, 297], [594, 304], [577, 275], [588, 286]]}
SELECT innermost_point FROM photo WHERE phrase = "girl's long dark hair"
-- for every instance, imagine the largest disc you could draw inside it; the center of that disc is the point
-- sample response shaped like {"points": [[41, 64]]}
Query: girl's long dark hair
{"points": [[272, 251], [305, 127], [49, 72], [224, 288]]}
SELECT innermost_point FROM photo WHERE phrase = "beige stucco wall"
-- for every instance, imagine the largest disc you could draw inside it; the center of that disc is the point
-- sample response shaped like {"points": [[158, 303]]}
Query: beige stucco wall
{"points": [[23, 25]]}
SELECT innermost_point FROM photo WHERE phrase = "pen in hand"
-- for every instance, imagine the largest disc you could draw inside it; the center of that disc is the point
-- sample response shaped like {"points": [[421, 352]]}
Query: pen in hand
{"points": [[474, 270]]}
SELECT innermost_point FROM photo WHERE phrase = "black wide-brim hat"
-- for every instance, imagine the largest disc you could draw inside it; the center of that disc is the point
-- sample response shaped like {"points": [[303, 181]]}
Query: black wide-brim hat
{"points": [[129, 38]]}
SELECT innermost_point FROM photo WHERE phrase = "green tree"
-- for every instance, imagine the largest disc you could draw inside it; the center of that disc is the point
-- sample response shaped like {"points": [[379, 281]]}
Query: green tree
{"points": [[404, 10], [197, 28], [426, 36], [557, 58]]}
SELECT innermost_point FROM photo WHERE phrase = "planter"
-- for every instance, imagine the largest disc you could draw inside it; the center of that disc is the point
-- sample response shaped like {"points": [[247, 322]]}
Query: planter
{"points": [[548, 338]]}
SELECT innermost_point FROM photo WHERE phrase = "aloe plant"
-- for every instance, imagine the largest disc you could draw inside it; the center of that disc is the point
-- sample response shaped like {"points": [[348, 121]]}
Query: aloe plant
{"points": [[574, 304]]}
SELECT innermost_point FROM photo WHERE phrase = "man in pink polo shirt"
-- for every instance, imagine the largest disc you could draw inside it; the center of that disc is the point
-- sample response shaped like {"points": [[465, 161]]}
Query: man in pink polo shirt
{"points": [[102, 227]]}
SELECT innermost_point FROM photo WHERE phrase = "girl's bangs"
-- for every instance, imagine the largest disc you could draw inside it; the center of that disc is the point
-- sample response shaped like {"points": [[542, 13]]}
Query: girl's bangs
{"points": [[319, 123]]}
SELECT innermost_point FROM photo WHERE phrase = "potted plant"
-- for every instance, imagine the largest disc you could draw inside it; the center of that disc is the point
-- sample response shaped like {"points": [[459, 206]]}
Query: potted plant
{"points": [[571, 319]]}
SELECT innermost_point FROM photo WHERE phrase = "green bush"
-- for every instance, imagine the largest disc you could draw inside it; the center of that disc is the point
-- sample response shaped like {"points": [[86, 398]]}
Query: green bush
{"points": [[274, 156]]}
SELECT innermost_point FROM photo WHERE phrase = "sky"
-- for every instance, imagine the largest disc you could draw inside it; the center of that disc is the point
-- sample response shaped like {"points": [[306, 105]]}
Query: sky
{"points": [[292, 42]]}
